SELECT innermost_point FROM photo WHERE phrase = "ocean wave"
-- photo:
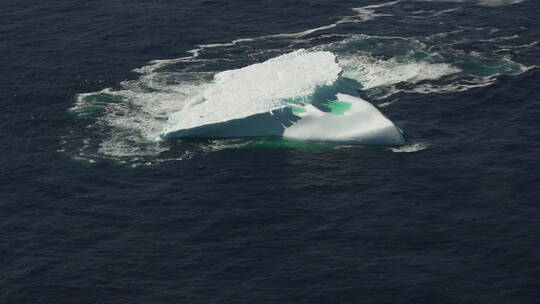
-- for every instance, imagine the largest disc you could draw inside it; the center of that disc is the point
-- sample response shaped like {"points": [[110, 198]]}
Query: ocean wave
{"points": [[416, 147], [257, 88]]}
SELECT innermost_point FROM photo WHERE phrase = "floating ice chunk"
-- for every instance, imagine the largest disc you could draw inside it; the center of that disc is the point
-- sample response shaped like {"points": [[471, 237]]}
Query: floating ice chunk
{"points": [[350, 119], [256, 89]]}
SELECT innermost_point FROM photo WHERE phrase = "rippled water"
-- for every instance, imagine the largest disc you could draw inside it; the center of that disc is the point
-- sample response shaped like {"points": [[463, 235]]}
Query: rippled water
{"points": [[97, 208]]}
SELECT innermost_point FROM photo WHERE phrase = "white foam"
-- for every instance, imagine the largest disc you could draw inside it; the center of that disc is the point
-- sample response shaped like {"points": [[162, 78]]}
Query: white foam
{"points": [[491, 3], [365, 13], [373, 73], [257, 88], [499, 2], [457, 86], [410, 148], [239, 103], [132, 118]]}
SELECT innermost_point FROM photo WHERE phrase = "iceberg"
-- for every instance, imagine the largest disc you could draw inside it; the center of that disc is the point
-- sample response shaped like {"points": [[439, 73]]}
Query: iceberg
{"points": [[276, 98], [350, 120]]}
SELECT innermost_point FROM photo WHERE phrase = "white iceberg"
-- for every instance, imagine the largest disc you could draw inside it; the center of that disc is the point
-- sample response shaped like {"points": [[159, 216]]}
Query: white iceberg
{"points": [[350, 119], [273, 98]]}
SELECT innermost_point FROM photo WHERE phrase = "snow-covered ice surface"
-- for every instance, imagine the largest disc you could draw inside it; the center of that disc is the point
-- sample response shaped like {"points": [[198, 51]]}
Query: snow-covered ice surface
{"points": [[255, 89], [274, 98]]}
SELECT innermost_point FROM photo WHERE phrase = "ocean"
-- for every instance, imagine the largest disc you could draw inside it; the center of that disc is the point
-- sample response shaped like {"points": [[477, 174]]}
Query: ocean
{"points": [[97, 205]]}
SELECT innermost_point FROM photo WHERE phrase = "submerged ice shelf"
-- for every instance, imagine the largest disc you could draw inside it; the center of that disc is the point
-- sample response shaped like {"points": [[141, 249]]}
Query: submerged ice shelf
{"points": [[275, 98]]}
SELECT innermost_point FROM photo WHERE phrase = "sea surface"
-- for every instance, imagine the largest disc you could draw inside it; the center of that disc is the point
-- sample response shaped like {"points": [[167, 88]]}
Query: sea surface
{"points": [[96, 208]]}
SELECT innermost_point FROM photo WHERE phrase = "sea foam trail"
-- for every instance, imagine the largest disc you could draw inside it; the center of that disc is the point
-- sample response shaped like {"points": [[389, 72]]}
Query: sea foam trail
{"points": [[499, 2]]}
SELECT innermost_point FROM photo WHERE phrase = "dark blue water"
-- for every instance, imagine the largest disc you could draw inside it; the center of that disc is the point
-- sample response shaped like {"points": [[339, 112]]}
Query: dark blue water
{"points": [[93, 211]]}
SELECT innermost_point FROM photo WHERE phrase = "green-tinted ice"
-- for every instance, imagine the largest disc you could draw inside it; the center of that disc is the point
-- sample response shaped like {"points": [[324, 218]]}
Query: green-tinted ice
{"points": [[338, 107], [297, 110]]}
